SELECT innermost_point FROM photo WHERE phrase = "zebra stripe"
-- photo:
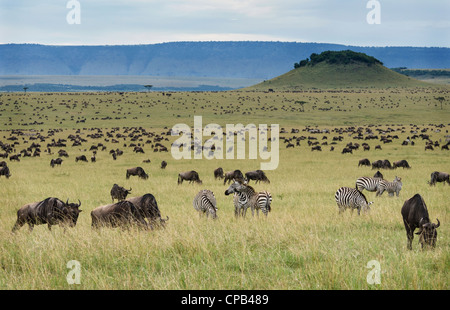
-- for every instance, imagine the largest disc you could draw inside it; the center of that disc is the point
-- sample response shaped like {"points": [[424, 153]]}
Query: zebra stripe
{"points": [[367, 183], [391, 187], [263, 202], [347, 197], [205, 202], [245, 197]]}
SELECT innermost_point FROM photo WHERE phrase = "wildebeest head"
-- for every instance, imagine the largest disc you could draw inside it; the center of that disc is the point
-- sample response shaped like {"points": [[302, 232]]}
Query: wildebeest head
{"points": [[71, 212], [428, 233]]}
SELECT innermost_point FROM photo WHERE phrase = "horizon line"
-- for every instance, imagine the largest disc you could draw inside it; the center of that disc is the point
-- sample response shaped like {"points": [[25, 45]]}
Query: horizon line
{"points": [[217, 41]]}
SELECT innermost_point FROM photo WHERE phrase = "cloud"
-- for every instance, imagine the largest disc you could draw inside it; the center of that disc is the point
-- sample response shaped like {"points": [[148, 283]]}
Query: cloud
{"points": [[152, 21]]}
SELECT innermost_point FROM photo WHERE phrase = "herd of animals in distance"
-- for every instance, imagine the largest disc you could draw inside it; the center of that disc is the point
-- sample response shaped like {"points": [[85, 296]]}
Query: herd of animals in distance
{"points": [[144, 212]]}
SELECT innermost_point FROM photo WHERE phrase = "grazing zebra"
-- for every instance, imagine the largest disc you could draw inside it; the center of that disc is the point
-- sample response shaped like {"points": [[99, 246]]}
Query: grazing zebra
{"points": [[205, 202], [367, 183], [245, 196], [391, 187], [347, 197]]}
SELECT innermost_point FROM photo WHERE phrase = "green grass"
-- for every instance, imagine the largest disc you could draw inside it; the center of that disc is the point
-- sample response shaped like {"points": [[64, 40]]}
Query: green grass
{"points": [[338, 76], [302, 244]]}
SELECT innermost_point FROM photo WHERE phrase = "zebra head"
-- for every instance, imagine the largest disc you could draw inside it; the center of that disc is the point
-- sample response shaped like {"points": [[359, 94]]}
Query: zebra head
{"points": [[236, 187], [366, 206]]}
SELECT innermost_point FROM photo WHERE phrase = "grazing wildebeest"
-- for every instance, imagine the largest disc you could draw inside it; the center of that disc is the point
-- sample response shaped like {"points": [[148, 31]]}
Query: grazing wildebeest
{"points": [[163, 164], [218, 173], [191, 176], [139, 171], [386, 164], [257, 175], [149, 208], [364, 162], [54, 162], [401, 163], [50, 211], [347, 150], [378, 174], [14, 157], [377, 164], [415, 215], [121, 214], [235, 174], [119, 192], [437, 176], [5, 171], [82, 158], [316, 148]]}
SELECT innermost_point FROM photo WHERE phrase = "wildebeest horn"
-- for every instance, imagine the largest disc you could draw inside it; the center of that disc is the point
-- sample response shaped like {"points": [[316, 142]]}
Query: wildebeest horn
{"points": [[438, 224], [67, 202], [79, 203], [129, 189]]}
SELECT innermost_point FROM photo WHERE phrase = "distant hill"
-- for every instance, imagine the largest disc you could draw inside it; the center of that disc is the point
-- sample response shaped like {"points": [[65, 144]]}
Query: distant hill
{"points": [[249, 59], [343, 69]]}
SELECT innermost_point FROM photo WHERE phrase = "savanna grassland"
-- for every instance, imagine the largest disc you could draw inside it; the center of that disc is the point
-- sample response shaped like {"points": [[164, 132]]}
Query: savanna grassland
{"points": [[303, 243]]}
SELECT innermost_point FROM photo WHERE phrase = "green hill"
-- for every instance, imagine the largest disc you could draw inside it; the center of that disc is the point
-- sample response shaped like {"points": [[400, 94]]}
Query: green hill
{"points": [[344, 69]]}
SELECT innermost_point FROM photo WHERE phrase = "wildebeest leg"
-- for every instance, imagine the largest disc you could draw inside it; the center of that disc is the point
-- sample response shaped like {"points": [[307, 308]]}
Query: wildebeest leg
{"points": [[30, 227], [49, 227], [409, 235], [17, 225]]}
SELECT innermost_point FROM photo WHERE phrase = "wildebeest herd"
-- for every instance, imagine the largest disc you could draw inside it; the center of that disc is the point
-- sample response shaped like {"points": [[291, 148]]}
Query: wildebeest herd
{"points": [[143, 211]]}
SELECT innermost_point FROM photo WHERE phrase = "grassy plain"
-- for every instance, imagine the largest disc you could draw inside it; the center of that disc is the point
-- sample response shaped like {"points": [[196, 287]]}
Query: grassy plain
{"points": [[302, 244]]}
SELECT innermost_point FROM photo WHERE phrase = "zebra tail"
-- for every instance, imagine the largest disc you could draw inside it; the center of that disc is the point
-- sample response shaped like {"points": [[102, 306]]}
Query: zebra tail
{"points": [[268, 202]]}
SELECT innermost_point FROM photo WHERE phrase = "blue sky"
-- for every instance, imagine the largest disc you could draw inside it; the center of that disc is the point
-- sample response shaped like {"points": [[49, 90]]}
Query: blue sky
{"points": [[402, 22]]}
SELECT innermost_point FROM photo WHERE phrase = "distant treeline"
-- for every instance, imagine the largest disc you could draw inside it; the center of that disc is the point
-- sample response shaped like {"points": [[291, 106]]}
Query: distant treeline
{"points": [[338, 58], [423, 72]]}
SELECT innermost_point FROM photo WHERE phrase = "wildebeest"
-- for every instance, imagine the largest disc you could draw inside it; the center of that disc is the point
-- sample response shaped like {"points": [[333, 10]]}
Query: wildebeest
{"points": [[401, 163], [163, 164], [415, 215], [437, 176], [257, 175], [139, 171], [364, 162], [235, 174], [119, 192], [82, 158], [378, 174], [50, 211], [5, 171], [191, 176], [147, 203], [57, 161], [347, 150], [218, 173], [121, 214]]}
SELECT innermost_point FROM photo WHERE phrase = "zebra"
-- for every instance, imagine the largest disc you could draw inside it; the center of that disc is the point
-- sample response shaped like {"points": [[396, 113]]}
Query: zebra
{"points": [[205, 202], [391, 187], [245, 196], [368, 184], [347, 197]]}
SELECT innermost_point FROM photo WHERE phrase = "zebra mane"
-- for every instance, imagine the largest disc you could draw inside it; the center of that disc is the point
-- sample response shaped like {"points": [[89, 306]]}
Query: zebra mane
{"points": [[364, 196], [251, 188]]}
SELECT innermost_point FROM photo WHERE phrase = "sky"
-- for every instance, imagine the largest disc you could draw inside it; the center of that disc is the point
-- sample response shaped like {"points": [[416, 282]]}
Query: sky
{"points": [[124, 22]]}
